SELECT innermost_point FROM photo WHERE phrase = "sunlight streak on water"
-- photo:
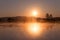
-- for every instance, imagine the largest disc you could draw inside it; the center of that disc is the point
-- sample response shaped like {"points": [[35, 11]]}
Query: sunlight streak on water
{"points": [[34, 29], [27, 31]]}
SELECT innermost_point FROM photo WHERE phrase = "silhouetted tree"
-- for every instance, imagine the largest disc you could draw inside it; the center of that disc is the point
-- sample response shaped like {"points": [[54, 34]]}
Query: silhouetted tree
{"points": [[47, 15], [51, 16]]}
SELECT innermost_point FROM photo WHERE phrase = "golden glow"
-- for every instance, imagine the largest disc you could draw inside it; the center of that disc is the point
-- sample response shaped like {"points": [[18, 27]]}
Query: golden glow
{"points": [[34, 29], [34, 13]]}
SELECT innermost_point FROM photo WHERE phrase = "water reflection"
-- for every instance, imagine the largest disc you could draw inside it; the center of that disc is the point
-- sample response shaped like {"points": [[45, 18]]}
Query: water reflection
{"points": [[34, 29], [27, 31]]}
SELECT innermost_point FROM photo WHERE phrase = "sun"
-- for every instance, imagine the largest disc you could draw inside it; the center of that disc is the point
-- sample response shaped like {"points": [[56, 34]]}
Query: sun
{"points": [[34, 13]]}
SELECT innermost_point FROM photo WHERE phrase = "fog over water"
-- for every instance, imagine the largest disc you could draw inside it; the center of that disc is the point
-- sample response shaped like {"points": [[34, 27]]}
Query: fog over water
{"points": [[16, 31]]}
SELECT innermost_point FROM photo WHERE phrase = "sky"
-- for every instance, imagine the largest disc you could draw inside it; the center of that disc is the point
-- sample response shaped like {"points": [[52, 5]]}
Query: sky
{"points": [[24, 7]]}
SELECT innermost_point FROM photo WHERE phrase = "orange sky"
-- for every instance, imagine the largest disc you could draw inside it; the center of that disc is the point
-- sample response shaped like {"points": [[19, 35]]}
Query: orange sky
{"points": [[24, 7]]}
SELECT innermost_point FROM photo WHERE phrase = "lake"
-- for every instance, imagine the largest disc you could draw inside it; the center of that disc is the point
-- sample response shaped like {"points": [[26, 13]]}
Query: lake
{"points": [[30, 31]]}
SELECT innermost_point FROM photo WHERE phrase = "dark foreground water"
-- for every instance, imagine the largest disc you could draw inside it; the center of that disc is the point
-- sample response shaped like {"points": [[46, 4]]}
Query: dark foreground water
{"points": [[17, 31]]}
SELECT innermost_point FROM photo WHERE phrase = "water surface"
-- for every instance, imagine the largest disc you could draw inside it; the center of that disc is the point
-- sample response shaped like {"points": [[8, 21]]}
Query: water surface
{"points": [[18, 31]]}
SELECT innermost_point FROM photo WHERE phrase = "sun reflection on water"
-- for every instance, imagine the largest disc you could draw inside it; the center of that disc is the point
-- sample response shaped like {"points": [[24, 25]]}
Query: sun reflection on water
{"points": [[34, 29]]}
